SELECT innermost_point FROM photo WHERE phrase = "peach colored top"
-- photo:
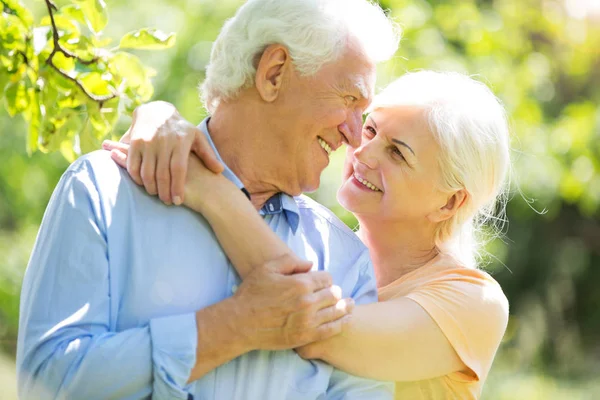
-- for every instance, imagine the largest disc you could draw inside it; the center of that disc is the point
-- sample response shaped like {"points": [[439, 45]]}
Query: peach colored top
{"points": [[471, 310]]}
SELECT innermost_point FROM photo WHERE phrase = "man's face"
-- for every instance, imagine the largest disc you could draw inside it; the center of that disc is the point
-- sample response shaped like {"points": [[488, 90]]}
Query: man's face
{"points": [[320, 113]]}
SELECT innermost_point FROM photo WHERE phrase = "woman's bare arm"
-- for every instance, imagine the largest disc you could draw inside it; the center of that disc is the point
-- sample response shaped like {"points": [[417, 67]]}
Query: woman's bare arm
{"points": [[233, 218], [395, 340]]}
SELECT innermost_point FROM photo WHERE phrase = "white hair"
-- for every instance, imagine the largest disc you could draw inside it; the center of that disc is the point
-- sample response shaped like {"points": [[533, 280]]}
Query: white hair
{"points": [[470, 125], [314, 31]]}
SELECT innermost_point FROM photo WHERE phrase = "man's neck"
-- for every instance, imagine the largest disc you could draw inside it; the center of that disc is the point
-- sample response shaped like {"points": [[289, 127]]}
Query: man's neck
{"points": [[396, 248], [233, 131]]}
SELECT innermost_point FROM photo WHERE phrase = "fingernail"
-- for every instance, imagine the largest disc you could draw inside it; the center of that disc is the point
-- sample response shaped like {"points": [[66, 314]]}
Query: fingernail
{"points": [[177, 200]]}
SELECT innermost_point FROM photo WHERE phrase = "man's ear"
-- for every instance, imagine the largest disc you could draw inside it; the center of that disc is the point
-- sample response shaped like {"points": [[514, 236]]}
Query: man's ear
{"points": [[270, 71], [453, 204]]}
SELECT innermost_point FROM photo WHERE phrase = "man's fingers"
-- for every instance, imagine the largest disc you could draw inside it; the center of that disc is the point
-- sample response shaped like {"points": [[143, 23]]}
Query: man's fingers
{"points": [[178, 167], [333, 328], [119, 157], [289, 264], [327, 297], [205, 152], [163, 175], [148, 172], [335, 312], [318, 280]]}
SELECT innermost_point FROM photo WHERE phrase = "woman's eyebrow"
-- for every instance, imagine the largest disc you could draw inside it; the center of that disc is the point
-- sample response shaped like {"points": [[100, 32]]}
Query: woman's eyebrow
{"points": [[403, 144], [400, 142]]}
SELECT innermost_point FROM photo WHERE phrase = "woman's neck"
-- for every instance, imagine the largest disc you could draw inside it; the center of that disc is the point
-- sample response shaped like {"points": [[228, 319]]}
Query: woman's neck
{"points": [[396, 248]]}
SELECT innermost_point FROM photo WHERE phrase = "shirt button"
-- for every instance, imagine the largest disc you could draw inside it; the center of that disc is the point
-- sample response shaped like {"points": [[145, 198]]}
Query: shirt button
{"points": [[234, 288]]}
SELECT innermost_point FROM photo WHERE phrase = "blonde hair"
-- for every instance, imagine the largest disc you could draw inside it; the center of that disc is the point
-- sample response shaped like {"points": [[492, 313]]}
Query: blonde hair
{"points": [[469, 123], [314, 31]]}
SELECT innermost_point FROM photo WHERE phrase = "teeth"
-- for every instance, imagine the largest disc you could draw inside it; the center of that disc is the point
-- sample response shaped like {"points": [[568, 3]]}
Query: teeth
{"points": [[325, 146], [367, 184]]}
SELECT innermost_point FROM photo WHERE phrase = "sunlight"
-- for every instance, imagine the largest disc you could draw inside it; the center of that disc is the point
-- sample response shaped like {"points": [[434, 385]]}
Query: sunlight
{"points": [[581, 9]]}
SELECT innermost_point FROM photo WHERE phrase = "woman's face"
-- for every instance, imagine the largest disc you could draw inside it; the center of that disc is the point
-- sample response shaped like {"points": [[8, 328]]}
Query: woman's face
{"points": [[394, 174]]}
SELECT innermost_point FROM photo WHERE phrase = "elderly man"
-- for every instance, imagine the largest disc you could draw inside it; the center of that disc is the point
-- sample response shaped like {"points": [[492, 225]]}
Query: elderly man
{"points": [[125, 297]]}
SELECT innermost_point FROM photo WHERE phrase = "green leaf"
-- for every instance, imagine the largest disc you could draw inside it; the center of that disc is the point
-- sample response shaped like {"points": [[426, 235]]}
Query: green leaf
{"points": [[35, 120], [80, 46], [147, 39], [74, 12], [97, 83], [95, 14], [4, 78], [88, 139], [20, 11], [64, 24], [16, 98], [128, 67]]}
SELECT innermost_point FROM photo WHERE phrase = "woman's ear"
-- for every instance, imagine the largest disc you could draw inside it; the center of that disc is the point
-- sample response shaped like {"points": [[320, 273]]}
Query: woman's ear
{"points": [[453, 204], [270, 71]]}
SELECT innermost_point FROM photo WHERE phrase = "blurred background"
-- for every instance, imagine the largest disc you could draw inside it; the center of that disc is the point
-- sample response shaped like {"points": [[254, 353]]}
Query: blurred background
{"points": [[541, 57]]}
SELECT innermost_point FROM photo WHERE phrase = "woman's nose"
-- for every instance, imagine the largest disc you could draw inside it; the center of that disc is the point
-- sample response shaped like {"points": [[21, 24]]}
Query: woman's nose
{"points": [[365, 155]]}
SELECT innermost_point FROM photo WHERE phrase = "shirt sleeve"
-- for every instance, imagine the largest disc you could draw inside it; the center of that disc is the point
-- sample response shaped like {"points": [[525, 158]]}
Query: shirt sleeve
{"points": [[68, 346], [472, 312], [343, 385]]}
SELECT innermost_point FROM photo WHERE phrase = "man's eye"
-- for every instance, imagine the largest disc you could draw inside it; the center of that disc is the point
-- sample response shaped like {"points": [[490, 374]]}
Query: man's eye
{"points": [[351, 99], [370, 132]]}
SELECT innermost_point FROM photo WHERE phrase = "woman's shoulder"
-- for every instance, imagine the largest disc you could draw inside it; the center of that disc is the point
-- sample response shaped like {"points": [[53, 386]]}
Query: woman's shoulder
{"points": [[449, 284]]}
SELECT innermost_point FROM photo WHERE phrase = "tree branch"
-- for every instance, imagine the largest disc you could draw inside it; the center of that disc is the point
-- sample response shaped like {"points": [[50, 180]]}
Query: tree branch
{"points": [[57, 48]]}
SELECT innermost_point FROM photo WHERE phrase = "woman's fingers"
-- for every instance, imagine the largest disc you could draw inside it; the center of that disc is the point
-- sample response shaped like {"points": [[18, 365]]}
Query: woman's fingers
{"points": [[134, 165], [112, 145], [205, 152], [163, 175], [148, 172], [179, 167], [119, 157]]}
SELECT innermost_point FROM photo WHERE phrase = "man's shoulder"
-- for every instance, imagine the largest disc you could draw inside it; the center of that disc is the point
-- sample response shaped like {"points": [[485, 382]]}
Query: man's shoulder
{"points": [[315, 211], [99, 170]]}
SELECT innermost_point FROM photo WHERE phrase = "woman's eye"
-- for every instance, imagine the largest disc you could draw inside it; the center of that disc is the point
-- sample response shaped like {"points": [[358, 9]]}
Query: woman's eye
{"points": [[397, 152], [351, 99]]}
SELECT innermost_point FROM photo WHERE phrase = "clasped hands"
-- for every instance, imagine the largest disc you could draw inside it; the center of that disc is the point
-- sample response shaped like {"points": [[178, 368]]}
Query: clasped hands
{"points": [[282, 304]]}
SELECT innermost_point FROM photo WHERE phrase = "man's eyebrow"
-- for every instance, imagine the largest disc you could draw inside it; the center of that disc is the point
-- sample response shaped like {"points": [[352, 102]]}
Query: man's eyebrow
{"points": [[400, 142], [360, 86]]}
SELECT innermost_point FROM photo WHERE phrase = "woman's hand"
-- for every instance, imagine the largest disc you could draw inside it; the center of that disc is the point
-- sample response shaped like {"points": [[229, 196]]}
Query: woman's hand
{"points": [[202, 188], [161, 141]]}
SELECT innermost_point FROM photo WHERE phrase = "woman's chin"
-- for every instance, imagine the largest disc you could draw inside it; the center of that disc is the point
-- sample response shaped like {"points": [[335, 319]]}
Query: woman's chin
{"points": [[347, 199]]}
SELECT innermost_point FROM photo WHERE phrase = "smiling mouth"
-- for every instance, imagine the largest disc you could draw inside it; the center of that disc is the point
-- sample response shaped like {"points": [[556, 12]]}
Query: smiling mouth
{"points": [[367, 184], [325, 146]]}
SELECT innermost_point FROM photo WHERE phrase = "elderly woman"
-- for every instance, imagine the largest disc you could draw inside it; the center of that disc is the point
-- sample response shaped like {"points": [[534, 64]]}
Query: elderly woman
{"points": [[430, 172]]}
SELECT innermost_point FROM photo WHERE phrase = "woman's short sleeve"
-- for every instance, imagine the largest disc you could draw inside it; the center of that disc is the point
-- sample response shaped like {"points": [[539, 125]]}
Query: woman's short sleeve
{"points": [[472, 312]]}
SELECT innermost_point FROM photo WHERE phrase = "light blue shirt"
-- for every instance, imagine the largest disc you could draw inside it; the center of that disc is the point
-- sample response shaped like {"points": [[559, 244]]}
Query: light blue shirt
{"points": [[110, 293]]}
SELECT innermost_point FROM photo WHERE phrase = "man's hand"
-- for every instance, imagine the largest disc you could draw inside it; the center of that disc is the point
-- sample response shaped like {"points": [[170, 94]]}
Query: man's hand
{"points": [[161, 141], [283, 305]]}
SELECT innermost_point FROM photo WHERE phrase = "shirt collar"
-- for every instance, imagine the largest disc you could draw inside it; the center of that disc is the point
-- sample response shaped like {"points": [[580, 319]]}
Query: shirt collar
{"points": [[277, 204]]}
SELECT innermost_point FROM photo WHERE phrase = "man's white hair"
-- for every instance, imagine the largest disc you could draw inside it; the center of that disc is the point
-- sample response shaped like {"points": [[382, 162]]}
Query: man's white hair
{"points": [[470, 125], [315, 32]]}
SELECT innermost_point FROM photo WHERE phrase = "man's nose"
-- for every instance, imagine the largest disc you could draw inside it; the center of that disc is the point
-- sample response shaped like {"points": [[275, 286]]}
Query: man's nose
{"points": [[352, 128]]}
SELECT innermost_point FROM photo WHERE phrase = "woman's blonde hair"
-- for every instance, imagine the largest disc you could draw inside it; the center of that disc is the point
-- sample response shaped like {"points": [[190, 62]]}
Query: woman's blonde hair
{"points": [[470, 125]]}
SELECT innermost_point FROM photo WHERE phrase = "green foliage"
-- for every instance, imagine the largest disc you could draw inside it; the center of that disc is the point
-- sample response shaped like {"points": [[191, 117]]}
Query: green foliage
{"points": [[61, 78]]}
